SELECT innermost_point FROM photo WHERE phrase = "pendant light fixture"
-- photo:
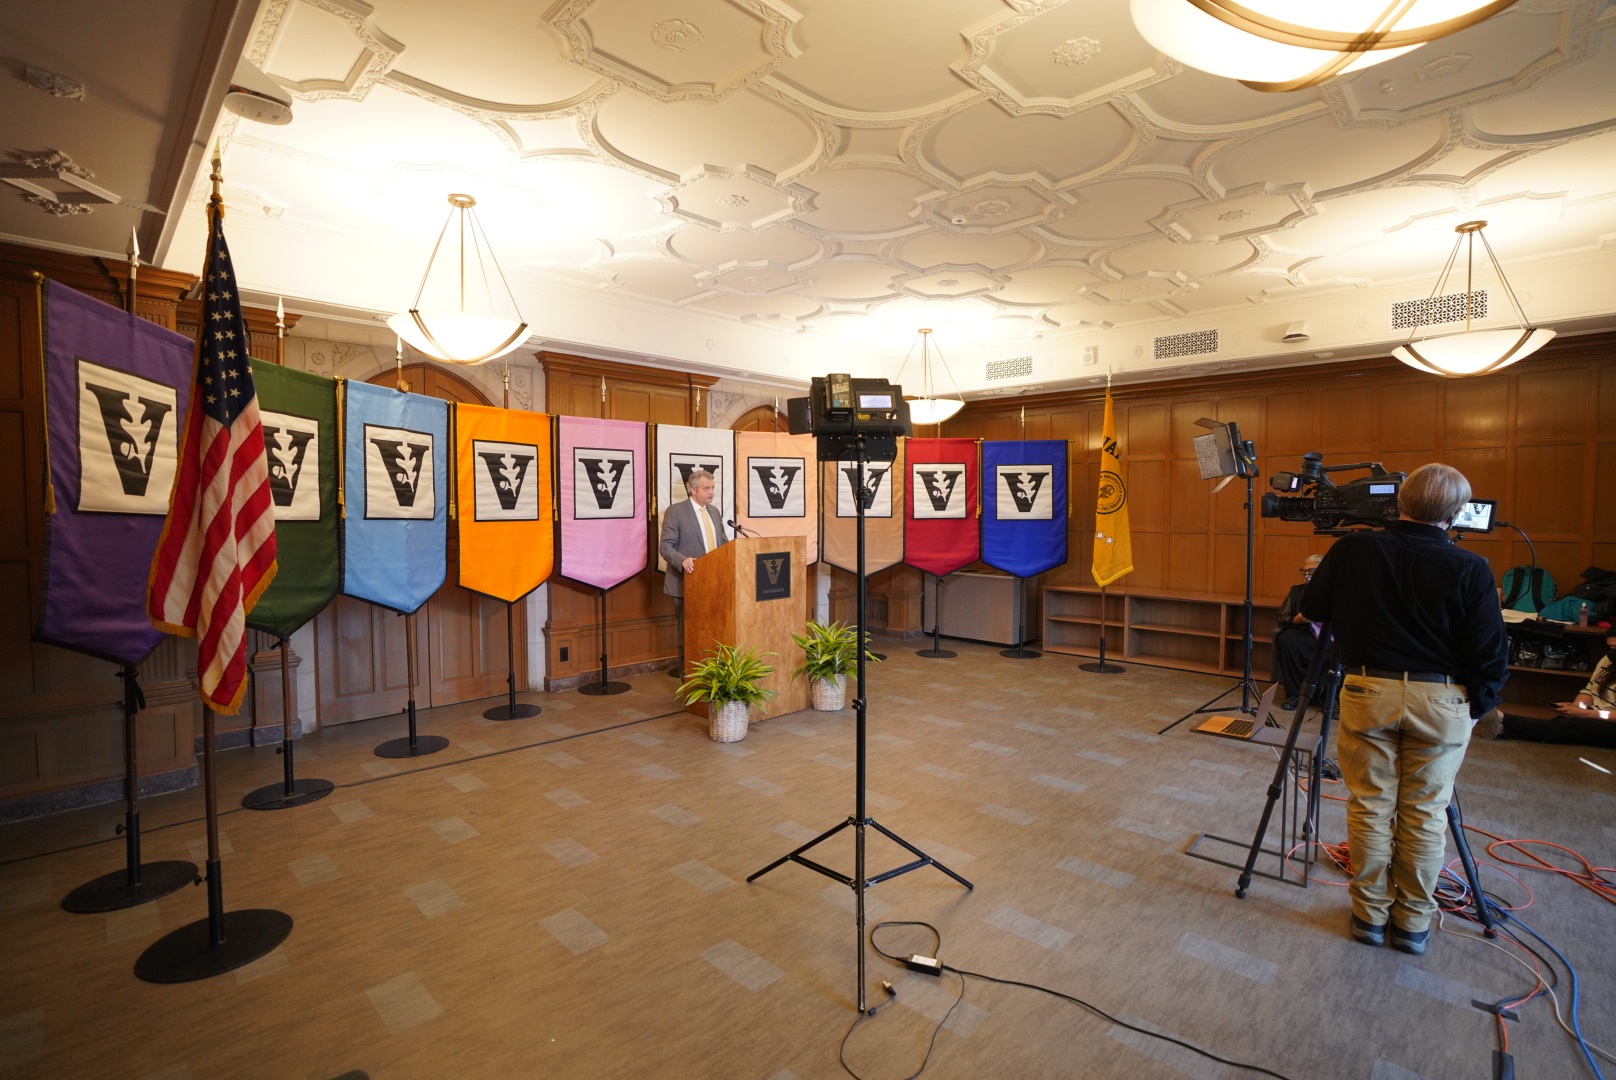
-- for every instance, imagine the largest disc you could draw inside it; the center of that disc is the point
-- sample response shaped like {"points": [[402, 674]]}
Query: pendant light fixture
{"points": [[927, 408], [459, 336], [1279, 45], [1472, 352]]}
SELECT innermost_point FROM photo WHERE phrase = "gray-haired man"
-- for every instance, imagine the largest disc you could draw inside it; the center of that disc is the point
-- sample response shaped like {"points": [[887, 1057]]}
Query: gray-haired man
{"points": [[690, 529]]}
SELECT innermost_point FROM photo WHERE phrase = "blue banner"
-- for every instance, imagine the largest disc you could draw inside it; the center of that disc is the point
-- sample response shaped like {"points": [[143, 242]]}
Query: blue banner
{"points": [[1024, 505], [395, 475]]}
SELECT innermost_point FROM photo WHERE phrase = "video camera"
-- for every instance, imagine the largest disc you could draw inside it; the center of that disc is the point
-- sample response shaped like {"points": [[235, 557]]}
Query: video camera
{"points": [[846, 415], [1367, 502]]}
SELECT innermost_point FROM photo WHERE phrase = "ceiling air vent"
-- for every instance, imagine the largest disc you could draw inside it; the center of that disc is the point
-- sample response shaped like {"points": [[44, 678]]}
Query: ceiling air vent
{"points": [[1194, 343], [1014, 368], [1438, 310]]}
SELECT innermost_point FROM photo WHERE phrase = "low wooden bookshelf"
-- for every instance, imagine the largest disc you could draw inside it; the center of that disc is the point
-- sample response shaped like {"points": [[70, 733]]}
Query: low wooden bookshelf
{"points": [[1184, 631]]}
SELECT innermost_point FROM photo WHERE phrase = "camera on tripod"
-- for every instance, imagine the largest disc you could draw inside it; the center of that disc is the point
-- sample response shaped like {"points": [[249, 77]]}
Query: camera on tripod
{"points": [[1367, 502], [851, 417]]}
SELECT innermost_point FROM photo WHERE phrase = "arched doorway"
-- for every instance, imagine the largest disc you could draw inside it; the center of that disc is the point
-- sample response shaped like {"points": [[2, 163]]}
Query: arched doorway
{"points": [[460, 643], [762, 418]]}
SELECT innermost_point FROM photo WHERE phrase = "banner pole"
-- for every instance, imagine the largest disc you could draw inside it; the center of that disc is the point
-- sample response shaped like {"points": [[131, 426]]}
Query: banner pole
{"points": [[134, 270], [510, 710], [605, 687], [1102, 667], [412, 745], [937, 652], [291, 791], [135, 883]]}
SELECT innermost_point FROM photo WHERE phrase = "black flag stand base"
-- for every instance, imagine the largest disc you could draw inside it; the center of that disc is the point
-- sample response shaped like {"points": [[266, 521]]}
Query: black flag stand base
{"points": [[1021, 652], [290, 791], [860, 822], [412, 745], [510, 710], [224, 940], [136, 883], [937, 652], [1100, 667], [605, 687]]}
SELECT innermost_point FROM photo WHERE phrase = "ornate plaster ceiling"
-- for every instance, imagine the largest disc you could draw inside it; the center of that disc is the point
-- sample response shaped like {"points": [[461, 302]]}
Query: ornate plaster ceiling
{"points": [[1028, 175]]}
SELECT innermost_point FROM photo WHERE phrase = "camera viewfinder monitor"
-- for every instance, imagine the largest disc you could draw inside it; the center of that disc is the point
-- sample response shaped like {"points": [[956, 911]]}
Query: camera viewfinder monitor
{"points": [[1476, 516]]}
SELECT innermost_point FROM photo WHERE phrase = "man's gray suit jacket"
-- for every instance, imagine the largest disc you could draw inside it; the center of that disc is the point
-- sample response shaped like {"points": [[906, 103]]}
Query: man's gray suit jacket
{"points": [[681, 540]]}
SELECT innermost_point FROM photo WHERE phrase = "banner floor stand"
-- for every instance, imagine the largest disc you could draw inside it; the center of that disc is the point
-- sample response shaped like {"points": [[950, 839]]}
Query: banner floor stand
{"points": [[937, 652], [1021, 652], [290, 791], [137, 883], [510, 710], [1103, 668], [412, 745], [224, 940], [605, 686]]}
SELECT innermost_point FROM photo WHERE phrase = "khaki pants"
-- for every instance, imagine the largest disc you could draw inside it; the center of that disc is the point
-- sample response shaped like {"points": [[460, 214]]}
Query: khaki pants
{"points": [[1400, 746]]}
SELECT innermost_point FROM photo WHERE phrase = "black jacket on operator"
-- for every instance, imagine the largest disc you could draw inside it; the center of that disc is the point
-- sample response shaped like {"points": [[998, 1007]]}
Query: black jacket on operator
{"points": [[1405, 598]]}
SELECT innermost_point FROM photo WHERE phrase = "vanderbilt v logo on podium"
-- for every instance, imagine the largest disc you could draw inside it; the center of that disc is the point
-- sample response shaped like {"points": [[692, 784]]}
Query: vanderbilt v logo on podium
{"points": [[774, 575]]}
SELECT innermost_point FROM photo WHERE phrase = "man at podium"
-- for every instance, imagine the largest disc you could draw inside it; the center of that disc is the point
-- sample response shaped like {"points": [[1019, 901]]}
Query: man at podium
{"points": [[690, 529]]}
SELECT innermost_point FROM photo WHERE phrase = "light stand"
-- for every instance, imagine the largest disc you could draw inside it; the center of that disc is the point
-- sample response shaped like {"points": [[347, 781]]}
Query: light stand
{"points": [[510, 710], [605, 687], [860, 883], [137, 882], [937, 652], [1241, 454], [290, 791]]}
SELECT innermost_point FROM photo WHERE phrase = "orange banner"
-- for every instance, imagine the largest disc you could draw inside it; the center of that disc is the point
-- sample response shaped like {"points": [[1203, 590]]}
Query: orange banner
{"points": [[503, 501]]}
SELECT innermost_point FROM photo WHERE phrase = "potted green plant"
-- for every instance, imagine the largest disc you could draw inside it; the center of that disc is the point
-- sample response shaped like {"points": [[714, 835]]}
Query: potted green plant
{"points": [[730, 680], [830, 654]]}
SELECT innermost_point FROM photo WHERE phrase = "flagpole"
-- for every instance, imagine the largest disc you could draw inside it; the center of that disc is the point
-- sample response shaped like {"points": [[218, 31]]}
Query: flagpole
{"points": [[134, 271], [290, 791], [136, 883]]}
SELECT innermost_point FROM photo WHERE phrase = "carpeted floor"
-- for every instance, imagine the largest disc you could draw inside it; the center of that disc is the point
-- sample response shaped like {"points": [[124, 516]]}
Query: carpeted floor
{"points": [[565, 896]]}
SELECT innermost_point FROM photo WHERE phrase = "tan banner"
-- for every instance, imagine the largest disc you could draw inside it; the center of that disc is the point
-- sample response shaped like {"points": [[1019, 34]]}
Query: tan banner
{"points": [[883, 513], [778, 495]]}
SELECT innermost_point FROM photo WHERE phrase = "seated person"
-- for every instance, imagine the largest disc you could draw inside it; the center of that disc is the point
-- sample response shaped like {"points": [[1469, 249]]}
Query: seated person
{"points": [[1294, 638], [1589, 719]]}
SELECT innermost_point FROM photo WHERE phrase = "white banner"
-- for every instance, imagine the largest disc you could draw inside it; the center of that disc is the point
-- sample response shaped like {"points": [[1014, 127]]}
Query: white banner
{"points": [[679, 451]]}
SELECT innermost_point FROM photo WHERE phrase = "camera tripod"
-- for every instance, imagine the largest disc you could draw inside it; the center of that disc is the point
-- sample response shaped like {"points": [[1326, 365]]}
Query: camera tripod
{"points": [[860, 882]]}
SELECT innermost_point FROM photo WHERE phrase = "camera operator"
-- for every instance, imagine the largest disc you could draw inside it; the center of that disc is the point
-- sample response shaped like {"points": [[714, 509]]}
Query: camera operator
{"points": [[1424, 653]]}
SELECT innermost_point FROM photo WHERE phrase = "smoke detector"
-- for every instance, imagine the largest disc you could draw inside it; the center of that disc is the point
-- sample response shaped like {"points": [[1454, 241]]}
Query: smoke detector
{"points": [[254, 95]]}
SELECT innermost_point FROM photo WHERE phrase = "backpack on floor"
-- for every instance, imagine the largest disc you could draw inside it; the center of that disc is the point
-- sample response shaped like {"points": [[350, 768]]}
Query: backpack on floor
{"points": [[1527, 588]]}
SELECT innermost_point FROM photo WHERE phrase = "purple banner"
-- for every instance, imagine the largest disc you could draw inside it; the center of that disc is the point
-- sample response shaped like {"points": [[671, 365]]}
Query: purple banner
{"points": [[601, 466], [116, 391]]}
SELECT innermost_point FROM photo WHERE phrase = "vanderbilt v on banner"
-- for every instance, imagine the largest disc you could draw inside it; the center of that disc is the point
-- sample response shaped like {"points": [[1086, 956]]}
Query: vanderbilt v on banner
{"points": [[1024, 505], [941, 528], [601, 469], [883, 513], [116, 391], [299, 416], [502, 500], [395, 479], [777, 495]]}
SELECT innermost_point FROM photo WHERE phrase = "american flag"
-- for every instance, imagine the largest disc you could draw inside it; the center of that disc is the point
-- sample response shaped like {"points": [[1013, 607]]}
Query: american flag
{"points": [[217, 553]]}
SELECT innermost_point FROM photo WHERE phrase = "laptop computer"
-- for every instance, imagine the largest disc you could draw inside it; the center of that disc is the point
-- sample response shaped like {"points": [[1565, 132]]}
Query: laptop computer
{"points": [[1241, 726]]}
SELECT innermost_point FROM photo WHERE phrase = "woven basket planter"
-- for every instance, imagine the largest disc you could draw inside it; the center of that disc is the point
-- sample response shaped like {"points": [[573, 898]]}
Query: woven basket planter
{"points": [[828, 695], [727, 721]]}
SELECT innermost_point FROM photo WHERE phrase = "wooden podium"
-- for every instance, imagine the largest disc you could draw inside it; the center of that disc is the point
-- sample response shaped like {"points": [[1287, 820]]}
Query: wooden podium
{"points": [[749, 592]]}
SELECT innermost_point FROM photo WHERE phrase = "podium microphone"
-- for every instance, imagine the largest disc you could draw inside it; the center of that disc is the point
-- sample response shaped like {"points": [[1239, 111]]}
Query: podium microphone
{"points": [[738, 530]]}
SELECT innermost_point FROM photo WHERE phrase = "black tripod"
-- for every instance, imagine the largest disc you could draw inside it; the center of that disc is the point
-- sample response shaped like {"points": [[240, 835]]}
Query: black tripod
{"points": [[1326, 661], [1245, 458], [860, 882]]}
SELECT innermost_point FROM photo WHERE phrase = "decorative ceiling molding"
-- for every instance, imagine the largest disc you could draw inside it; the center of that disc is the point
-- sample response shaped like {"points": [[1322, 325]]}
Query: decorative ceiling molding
{"points": [[58, 185], [376, 56]]}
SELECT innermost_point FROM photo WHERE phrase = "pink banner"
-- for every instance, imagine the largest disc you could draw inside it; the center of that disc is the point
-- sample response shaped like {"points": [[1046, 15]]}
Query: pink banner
{"points": [[601, 468]]}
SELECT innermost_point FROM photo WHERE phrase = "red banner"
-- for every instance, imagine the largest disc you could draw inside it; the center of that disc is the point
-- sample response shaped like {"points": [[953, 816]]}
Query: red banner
{"points": [[941, 505]]}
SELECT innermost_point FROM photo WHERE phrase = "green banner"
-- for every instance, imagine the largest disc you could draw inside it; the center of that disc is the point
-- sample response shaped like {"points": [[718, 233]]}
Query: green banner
{"points": [[299, 416]]}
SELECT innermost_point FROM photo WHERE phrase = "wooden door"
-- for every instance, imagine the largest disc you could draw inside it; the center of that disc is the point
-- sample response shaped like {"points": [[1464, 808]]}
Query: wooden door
{"points": [[460, 640]]}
